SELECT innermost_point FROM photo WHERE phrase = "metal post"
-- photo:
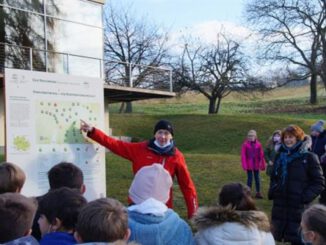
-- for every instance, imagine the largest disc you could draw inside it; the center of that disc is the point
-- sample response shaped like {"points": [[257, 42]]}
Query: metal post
{"points": [[130, 76], [31, 58], [171, 88], [67, 63], [45, 36], [101, 74]]}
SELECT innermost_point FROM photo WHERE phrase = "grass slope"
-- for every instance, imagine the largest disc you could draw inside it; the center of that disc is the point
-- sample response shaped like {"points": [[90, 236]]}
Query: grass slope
{"points": [[211, 145]]}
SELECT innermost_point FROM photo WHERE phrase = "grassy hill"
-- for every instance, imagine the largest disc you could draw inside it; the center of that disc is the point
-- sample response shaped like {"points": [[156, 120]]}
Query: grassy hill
{"points": [[211, 143]]}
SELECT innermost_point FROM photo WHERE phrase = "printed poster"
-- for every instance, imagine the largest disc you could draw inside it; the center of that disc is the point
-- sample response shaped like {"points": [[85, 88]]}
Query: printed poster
{"points": [[43, 113]]}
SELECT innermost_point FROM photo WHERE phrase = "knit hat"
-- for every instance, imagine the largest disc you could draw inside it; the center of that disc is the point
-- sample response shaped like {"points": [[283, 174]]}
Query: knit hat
{"points": [[151, 182], [318, 126], [163, 124]]}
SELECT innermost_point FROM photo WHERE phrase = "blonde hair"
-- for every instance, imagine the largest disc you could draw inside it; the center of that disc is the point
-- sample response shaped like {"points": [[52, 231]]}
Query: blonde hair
{"points": [[252, 132]]}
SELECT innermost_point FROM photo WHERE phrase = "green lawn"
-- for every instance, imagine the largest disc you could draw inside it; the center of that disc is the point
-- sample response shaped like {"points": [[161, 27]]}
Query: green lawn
{"points": [[211, 145]]}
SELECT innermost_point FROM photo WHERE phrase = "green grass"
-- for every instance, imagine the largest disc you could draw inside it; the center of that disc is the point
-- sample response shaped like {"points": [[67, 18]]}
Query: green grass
{"points": [[211, 145]]}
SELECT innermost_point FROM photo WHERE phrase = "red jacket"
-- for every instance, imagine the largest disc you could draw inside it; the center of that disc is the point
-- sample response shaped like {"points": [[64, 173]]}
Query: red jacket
{"points": [[140, 155]]}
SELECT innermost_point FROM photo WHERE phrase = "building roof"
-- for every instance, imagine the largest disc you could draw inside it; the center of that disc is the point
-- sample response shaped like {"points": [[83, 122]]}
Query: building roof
{"points": [[115, 94]]}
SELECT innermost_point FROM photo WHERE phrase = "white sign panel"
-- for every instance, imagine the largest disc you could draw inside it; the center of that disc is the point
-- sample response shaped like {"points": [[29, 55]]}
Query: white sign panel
{"points": [[43, 113]]}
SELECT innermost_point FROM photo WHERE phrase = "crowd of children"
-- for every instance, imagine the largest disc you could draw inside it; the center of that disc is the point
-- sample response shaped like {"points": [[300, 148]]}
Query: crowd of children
{"points": [[63, 215]]}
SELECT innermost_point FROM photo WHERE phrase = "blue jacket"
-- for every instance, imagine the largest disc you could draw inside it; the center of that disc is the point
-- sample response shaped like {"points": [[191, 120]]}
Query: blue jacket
{"points": [[55, 238], [169, 229], [26, 240]]}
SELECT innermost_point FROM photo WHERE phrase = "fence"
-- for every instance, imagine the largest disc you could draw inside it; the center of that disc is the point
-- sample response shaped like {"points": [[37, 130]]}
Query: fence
{"points": [[114, 72]]}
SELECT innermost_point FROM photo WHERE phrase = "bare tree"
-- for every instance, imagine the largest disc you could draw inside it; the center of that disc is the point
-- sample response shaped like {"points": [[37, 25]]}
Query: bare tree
{"points": [[19, 28], [132, 46], [291, 33], [212, 70]]}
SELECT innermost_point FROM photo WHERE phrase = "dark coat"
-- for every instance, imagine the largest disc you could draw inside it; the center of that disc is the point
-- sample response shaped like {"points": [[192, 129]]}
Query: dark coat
{"points": [[318, 144], [303, 183]]}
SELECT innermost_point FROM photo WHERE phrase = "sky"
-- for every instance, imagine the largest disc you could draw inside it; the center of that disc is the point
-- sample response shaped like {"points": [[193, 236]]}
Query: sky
{"points": [[200, 17]]}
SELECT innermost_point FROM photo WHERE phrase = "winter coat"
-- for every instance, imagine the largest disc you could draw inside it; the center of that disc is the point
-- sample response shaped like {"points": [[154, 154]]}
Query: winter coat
{"points": [[26, 240], [252, 155], [169, 229], [224, 225], [318, 144], [270, 154], [293, 184], [141, 154], [55, 238]]}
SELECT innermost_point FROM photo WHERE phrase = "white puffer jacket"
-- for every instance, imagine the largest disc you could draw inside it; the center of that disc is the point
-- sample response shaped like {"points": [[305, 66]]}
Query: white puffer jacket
{"points": [[224, 225]]}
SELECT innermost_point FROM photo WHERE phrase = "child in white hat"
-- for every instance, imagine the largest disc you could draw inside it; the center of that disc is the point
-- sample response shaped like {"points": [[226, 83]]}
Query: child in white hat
{"points": [[150, 220]]}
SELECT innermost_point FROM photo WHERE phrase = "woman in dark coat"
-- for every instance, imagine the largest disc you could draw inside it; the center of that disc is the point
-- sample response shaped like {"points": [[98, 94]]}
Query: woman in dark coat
{"points": [[297, 180]]}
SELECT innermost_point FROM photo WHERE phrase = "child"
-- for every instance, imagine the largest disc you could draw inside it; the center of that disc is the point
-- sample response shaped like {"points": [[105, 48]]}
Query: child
{"points": [[150, 220], [313, 225], [273, 145], [102, 221], [66, 174], [16, 217], [12, 178], [234, 221], [252, 159], [59, 210], [63, 174]]}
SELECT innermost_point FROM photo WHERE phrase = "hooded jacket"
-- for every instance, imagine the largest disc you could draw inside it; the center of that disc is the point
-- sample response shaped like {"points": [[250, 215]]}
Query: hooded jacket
{"points": [[224, 225], [141, 154], [292, 187], [169, 229], [252, 155]]}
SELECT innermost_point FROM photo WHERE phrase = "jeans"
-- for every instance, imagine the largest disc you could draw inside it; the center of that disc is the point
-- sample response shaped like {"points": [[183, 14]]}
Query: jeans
{"points": [[257, 179]]}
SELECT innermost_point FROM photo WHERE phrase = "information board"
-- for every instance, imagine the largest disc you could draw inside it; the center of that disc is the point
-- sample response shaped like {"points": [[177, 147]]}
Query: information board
{"points": [[43, 113]]}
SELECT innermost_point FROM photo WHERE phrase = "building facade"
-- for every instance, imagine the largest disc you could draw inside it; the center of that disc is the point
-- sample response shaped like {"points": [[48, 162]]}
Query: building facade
{"points": [[60, 36], [57, 36]]}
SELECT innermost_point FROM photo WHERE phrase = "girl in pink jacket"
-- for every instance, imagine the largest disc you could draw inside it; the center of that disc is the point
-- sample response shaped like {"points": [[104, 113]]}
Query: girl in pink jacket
{"points": [[252, 159]]}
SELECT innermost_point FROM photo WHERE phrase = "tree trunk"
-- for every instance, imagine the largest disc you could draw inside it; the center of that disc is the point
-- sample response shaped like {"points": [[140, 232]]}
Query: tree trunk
{"points": [[218, 105], [122, 107], [313, 89], [128, 107], [211, 108]]}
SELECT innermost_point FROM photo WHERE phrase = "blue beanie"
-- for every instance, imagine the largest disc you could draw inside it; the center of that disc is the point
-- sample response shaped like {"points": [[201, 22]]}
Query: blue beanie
{"points": [[318, 126], [163, 124]]}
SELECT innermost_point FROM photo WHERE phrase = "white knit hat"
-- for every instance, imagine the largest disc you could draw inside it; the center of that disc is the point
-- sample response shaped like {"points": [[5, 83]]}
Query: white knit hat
{"points": [[151, 182]]}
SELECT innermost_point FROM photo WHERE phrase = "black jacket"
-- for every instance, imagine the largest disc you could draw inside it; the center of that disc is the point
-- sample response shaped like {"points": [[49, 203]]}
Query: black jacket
{"points": [[318, 144], [303, 183]]}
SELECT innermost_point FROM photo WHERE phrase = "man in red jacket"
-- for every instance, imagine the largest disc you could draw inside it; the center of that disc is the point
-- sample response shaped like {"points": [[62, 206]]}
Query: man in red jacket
{"points": [[160, 149]]}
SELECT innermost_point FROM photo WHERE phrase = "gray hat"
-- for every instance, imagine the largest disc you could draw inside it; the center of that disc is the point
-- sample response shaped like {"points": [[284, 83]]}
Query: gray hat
{"points": [[318, 126]]}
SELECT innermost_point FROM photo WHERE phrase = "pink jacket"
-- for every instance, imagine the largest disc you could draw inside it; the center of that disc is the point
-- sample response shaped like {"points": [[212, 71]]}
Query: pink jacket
{"points": [[252, 156]]}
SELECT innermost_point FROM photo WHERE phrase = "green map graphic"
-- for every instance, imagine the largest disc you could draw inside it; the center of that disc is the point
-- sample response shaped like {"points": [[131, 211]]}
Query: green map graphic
{"points": [[58, 122], [21, 143]]}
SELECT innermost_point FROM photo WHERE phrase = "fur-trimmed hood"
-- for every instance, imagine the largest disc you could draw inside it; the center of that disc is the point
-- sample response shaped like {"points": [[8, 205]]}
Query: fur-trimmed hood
{"points": [[213, 216]]}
